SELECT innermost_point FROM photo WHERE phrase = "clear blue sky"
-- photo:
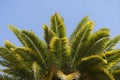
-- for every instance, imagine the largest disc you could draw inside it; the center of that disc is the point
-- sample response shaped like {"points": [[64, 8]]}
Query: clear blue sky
{"points": [[32, 14]]}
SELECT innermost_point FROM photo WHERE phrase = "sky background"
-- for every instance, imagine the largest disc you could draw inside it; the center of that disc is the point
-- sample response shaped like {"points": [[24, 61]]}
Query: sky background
{"points": [[32, 14]]}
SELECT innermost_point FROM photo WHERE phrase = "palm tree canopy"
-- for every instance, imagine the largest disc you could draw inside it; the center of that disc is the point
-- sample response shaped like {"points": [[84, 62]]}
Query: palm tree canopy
{"points": [[86, 55]]}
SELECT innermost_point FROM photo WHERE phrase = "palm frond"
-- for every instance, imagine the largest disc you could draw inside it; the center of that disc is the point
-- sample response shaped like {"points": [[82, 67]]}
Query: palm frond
{"points": [[48, 34], [13, 62], [57, 25], [26, 53], [17, 32], [81, 23], [95, 43], [8, 56], [80, 38], [29, 56], [111, 44], [29, 39], [100, 44], [90, 61], [9, 45], [33, 42], [59, 51], [112, 56]]}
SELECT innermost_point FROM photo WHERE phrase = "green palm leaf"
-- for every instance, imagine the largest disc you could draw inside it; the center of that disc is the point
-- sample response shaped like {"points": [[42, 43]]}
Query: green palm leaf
{"points": [[48, 34], [91, 61], [17, 32], [113, 57], [32, 41], [59, 51], [57, 25], [81, 23], [96, 42], [81, 36], [9, 45], [111, 44], [29, 57], [8, 56], [27, 54]]}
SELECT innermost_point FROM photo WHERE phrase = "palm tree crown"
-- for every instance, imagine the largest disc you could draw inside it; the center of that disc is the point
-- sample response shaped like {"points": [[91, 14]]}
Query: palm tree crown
{"points": [[86, 55]]}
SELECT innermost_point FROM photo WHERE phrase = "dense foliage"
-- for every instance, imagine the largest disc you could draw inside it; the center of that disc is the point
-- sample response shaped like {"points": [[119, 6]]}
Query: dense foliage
{"points": [[86, 55]]}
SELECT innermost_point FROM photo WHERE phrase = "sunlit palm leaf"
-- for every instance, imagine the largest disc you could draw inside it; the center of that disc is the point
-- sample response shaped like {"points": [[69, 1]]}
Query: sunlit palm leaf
{"points": [[9, 45], [96, 42], [81, 23], [111, 44], [48, 34], [59, 51], [113, 57], [91, 61], [81, 37], [58, 26], [33, 42], [17, 32]]}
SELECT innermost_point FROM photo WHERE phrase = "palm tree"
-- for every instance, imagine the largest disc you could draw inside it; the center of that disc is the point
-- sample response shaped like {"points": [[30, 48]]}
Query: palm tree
{"points": [[86, 55]]}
